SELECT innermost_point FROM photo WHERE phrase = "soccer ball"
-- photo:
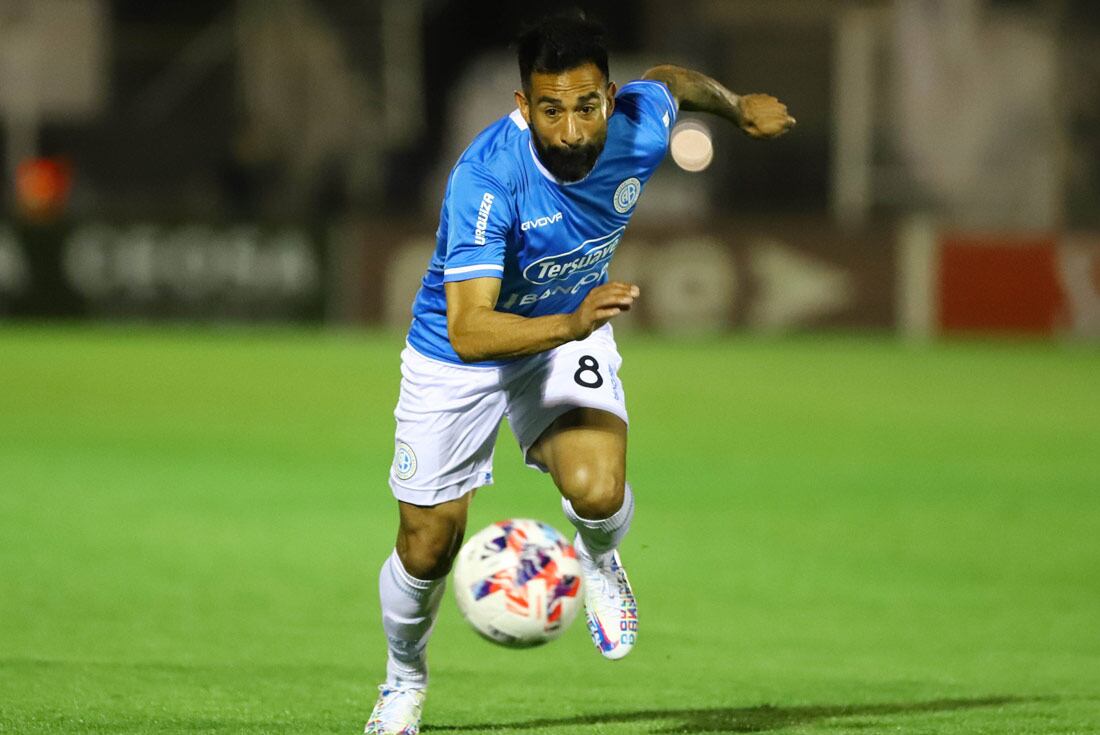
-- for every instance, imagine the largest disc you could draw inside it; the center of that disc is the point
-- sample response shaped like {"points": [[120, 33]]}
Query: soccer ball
{"points": [[518, 583]]}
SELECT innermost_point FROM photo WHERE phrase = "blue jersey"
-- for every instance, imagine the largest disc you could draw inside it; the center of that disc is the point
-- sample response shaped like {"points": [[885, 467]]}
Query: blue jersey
{"points": [[505, 216]]}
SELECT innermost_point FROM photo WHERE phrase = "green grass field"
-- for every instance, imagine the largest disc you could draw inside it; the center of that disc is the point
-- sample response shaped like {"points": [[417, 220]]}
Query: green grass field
{"points": [[833, 535]]}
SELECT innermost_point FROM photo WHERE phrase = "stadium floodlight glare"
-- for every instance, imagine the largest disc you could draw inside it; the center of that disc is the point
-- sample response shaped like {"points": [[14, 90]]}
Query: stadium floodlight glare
{"points": [[692, 146]]}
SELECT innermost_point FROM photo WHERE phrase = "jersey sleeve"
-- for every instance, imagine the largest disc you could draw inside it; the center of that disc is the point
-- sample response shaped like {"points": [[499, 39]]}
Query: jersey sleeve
{"points": [[479, 218], [656, 105]]}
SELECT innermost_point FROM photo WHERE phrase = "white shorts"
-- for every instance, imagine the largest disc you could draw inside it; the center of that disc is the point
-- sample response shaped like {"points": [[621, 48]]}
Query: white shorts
{"points": [[448, 415]]}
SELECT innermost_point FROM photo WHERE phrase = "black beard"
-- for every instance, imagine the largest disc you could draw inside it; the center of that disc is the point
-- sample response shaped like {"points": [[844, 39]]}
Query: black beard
{"points": [[568, 164]]}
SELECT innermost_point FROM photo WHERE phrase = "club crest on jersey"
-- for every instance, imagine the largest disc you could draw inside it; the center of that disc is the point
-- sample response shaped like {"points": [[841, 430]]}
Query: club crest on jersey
{"points": [[627, 195], [585, 257], [404, 462]]}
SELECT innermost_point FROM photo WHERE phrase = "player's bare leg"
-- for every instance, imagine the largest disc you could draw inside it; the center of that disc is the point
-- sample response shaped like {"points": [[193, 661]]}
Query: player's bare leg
{"points": [[411, 586], [585, 452], [428, 537]]}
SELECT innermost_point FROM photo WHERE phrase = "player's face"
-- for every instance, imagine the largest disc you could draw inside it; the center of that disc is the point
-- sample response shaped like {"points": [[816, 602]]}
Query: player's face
{"points": [[567, 114]]}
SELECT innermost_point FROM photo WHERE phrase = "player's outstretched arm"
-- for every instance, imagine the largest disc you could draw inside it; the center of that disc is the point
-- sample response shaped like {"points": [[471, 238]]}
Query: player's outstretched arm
{"points": [[479, 332], [759, 115]]}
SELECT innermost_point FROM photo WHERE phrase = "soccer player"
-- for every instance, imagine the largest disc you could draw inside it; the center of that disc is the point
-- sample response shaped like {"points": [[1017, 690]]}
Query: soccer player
{"points": [[512, 319]]}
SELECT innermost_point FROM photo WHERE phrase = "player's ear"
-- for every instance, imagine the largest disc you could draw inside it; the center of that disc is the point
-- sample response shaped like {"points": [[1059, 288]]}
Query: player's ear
{"points": [[612, 90], [524, 108]]}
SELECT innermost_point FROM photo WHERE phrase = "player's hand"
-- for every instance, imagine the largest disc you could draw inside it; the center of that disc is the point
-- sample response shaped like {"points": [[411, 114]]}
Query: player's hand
{"points": [[763, 116], [600, 305]]}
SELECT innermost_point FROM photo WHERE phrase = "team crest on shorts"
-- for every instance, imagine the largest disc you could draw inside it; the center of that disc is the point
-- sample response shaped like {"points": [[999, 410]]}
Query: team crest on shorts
{"points": [[404, 463], [627, 194]]}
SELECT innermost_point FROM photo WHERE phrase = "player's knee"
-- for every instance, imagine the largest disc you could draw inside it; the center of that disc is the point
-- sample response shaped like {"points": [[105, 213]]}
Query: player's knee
{"points": [[427, 553], [595, 492]]}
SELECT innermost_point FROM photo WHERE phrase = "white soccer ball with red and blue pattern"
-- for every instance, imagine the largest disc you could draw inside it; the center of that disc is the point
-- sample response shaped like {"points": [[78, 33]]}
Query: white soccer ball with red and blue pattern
{"points": [[518, 583]]}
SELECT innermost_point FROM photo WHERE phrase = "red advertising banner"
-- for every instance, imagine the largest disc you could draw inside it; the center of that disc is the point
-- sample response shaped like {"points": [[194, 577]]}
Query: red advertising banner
{"points": [[991, 284], [1019, 284]]}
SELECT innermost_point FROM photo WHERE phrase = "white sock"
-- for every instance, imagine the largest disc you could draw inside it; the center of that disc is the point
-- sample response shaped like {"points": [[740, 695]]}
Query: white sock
{"points": [[604, 535], [409, 607]]}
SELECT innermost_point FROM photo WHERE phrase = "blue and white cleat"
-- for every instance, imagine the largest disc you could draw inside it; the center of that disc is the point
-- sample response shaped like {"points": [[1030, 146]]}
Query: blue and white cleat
{"points": [[609, 603], [397, 712]]}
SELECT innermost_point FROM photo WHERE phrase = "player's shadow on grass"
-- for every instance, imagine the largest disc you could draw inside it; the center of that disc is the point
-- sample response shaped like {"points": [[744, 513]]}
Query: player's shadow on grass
{"points": [[739, 719]]}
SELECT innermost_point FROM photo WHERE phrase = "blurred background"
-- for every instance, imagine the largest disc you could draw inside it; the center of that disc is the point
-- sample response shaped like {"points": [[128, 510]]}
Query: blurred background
{"points": [[896, 515], [284, 160]]}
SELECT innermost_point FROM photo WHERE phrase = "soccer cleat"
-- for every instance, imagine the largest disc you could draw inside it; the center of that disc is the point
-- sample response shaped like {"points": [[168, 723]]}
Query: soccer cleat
{"points": [[397, 712], [609, 603]]}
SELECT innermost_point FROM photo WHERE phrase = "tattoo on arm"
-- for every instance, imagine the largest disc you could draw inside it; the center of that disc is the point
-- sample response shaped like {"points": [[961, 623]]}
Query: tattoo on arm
{"points": [[696, 92]]}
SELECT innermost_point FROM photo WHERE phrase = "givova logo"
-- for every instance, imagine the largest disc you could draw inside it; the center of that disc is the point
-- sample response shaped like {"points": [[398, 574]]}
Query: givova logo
{"points": [[532, 224], [586, 256]]}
